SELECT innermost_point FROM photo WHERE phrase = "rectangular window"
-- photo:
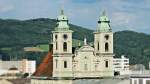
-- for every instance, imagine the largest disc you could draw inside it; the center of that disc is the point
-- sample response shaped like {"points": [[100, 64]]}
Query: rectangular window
{"points": [[135, 81], [130, 81], [96, 67], [140, 81], [65, 64], [56, 62], [56, 46], [65, 46], [85, 67], [106, 64], [147, 81]]}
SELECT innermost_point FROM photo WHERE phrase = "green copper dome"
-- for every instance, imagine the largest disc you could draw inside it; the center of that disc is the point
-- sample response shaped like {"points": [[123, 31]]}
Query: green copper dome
{"points": [[62, 22], [103, 24]]}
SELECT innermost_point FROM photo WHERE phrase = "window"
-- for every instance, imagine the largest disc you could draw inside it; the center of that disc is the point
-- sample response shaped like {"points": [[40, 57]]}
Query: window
{"points": [[65, 46], [85, 67], [56, 62], [106, 64], [106, 47], [96, 67], [56, 36], [85, 57], [65, 64], [130, 81], [98, 46], [135, 82], [65, 36], [106, 37], [147, 81], [56, 46]]}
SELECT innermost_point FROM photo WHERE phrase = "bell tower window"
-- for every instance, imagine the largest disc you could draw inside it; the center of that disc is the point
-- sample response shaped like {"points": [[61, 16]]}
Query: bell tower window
{"points": [[98, 46], [56, 36], [56, 46], [106, 47], [65, 46]]}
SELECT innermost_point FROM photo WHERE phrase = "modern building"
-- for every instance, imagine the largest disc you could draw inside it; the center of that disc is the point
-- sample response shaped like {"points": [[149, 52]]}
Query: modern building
{"points": [[140, 79], [121, 65], [23, 66]]}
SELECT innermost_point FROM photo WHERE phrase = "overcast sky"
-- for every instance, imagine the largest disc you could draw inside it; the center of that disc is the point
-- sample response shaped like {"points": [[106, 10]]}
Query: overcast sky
{"points": [[124, 14]]}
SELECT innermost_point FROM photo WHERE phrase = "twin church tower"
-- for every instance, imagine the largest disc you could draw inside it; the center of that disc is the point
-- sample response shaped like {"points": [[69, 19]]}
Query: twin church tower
{"points": [[87, 61]]}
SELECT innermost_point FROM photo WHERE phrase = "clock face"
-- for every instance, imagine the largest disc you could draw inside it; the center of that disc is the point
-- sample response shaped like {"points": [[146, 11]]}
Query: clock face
{"points": [[65, 36]]}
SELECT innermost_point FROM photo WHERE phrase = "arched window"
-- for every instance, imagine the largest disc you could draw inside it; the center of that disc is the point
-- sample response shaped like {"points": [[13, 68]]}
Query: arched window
{"points": [[98, 46], [106, 47], [65, 64], [106, 64], [65, 46]]}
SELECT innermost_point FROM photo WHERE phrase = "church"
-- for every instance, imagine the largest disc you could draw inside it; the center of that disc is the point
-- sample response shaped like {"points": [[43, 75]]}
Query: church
{"points": [[87, 61]]}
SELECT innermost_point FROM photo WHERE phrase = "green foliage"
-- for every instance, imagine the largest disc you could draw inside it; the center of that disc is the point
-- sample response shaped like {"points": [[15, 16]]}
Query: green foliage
{"points": [[134, 45], [44, 47]]}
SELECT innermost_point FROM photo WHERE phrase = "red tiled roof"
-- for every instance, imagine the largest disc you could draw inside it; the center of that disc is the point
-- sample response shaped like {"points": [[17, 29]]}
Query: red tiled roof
{"points": [[46, 67]]}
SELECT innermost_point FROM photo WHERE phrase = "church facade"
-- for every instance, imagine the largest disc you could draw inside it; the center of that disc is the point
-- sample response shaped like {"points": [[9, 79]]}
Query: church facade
{"points": [[87, 61]]}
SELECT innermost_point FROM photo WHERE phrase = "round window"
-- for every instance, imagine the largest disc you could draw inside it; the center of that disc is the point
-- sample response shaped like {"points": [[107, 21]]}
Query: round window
{"points": [[106, 37]]}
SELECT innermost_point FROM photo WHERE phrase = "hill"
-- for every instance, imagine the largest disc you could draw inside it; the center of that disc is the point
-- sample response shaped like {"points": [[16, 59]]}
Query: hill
{"points": [[135, 45], [16, 34]]}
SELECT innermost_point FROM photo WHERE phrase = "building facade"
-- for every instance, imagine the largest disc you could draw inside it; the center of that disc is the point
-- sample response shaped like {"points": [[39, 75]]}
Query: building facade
{"points": [[23, 66], [87, 61], [121, 65], [140, 79]]}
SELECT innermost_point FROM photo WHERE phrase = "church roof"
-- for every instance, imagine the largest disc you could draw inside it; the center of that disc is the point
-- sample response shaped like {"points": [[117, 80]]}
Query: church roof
{"points": [[62, 22], [103, 23], [85, 48]]}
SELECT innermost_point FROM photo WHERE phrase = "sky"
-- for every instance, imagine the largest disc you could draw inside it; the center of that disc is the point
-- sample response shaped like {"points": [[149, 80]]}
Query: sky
{"points": [[123, 14]]}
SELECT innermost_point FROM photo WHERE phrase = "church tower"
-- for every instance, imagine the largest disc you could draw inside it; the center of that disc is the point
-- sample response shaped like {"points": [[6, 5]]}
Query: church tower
{"points": [[62, 48], [103, 44]]}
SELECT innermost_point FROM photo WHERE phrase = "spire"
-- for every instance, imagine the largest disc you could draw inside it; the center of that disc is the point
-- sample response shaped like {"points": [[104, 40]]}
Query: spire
{"points": [[62, 22], [62, 12], [103, 23], [85, 41], [104, 13]]}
